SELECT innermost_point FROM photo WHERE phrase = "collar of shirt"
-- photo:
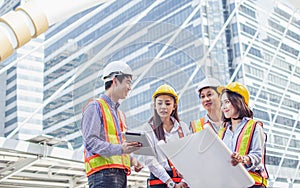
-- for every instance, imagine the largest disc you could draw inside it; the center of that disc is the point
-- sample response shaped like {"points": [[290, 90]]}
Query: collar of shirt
{"points": [[241, 124], [207, 119], [110, 102], [175, 127]]}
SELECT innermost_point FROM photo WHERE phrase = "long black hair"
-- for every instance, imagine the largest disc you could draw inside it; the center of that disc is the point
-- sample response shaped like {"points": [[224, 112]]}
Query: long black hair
{"points": [[158, 124]]}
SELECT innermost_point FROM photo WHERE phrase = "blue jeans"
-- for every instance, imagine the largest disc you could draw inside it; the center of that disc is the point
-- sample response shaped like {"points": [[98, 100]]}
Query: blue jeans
{"points": [[108, 178]]}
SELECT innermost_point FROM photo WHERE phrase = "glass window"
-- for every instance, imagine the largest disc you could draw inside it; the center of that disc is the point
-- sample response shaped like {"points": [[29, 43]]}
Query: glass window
{"points": [[293, 35], [272, 160], [231, 7], [248, 29], [234, 29], [261, 114], [282, 13], [13, 78], [248, 11], [10, 122], [11, 90], [289, 49], [237, 52], [289, 163], [8, 112], [11, 100], [276, 26]]}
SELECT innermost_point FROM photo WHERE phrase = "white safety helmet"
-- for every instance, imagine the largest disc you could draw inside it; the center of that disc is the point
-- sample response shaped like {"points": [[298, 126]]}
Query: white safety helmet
{"points": [[115, 68], [207, 82]]}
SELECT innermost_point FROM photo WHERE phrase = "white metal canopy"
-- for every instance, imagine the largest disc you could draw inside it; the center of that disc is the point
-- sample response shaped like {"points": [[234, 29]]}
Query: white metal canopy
{"points": [[30, 164]]}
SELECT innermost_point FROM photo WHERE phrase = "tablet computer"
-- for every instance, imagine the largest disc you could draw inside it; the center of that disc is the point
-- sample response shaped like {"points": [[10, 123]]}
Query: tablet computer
{"points": [[140, 137]]}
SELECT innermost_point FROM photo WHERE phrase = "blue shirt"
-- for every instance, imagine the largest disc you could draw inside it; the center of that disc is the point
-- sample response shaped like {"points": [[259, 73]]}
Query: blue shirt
{"points": [[92, 127], [256, 147]]}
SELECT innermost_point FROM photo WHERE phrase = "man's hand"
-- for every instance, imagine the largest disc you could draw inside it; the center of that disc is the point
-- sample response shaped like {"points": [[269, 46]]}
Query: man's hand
{"points": [[138, 166], [129, 147]]}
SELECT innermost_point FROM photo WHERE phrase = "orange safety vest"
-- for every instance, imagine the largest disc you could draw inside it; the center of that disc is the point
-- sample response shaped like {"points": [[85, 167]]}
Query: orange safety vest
{"points": [[175, 177], [198, 125], [97, 162], [243, 146]]}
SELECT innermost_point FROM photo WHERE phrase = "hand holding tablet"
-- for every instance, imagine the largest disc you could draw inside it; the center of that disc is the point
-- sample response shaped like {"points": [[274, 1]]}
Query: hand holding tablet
{"points": [[140, 137]]}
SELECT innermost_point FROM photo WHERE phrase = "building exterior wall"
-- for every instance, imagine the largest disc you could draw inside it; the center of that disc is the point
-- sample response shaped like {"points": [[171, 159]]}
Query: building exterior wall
{"points": [[266, 58], [167, 41], [23, 88]]}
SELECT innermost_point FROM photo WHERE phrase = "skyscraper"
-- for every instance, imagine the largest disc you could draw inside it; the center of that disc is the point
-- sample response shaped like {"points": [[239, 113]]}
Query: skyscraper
{"points": [[265, 48], [161, 41], [23, 84]]}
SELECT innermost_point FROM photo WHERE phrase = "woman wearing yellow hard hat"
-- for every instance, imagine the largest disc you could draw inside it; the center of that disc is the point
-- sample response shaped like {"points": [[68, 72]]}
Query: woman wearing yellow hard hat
{"points": [[243, 136], [164, 125]]}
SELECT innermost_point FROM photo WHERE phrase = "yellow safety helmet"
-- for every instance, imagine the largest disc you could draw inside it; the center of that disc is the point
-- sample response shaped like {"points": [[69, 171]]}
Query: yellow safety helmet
{"points": [[237, 88], [165, 89]]}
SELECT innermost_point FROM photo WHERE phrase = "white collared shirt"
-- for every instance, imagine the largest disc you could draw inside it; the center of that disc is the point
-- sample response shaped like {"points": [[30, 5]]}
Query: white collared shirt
{"points": [[159, 163]]}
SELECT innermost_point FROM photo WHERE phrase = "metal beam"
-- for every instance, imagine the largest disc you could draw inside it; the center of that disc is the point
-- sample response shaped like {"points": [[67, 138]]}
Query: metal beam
{"points": [[17, 167]]}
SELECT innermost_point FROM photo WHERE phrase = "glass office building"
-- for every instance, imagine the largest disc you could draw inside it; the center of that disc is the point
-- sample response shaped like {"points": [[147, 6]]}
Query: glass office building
{"points": [[22, 86], [179, 42], [163, 42], [264, 41]]}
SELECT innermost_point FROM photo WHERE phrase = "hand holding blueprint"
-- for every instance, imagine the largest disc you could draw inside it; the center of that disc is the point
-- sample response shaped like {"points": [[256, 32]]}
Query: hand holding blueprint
{"points": [[204, 161]]}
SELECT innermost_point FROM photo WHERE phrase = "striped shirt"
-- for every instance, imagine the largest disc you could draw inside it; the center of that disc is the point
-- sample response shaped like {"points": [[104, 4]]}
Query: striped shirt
{"points": [[92, 127]]}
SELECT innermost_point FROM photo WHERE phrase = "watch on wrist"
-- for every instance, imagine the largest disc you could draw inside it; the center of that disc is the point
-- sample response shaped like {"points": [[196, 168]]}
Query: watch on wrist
{"points": [[171, 184]]}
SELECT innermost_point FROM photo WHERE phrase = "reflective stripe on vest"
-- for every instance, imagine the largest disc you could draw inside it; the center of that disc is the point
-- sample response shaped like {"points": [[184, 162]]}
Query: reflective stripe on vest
{"points": [[243, 145], [197, 125], [96, 162], [222, 131]]}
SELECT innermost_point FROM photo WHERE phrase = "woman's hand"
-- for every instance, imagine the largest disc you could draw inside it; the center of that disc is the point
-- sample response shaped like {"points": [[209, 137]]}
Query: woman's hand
{"points": [[181, 185], [236, 158]]}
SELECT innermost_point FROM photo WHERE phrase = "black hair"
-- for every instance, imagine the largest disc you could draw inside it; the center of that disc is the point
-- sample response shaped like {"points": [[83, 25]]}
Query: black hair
{"points": [[120, 77]]}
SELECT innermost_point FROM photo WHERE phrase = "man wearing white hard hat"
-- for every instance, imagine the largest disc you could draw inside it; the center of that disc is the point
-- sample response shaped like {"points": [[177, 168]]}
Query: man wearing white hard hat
{"points": [[210, 100], [107, 159]]}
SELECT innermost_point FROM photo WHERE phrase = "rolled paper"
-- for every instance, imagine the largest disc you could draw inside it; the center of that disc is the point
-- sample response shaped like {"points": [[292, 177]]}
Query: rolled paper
{"points": [[18, 23], [37, 17], [6, 48]]}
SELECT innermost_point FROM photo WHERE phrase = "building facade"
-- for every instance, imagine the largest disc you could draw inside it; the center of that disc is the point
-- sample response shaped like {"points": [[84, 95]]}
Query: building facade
{"points": [[265, 48], [167, 39], [22, 84]]}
